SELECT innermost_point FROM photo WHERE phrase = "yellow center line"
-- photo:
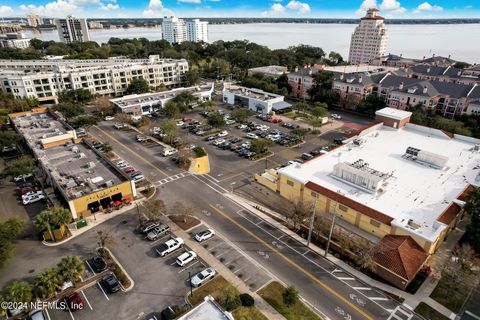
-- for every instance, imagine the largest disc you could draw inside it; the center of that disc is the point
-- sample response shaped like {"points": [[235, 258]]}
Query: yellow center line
{"points": [[132, 152], [294, 264]]}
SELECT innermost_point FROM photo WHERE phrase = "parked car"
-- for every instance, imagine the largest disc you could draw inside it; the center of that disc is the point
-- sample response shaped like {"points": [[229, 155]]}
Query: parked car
{"points": [[169, 246], [157, 232], [33, 199], [111, 283], [141, 138], [27, 190], [129, 169], [185, 258], [210, 138], [230, 122], [251, 136], [36, 314], [32, 193], [202, 277], [242, 126], [23, 177], [307, 156], [180, 123], [149, 226], [218, 142], [74, 302], [119, 125], [222, 133], [168, 152], [293, 162], [109, 118], [336, 116], [98, 264], [204, 235], [235, 140], [138, 178]]}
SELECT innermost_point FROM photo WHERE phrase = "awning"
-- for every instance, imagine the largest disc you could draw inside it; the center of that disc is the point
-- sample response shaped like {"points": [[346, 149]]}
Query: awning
{"points": [[281, 105], [105, 202], [117, 197], [117, 203], [94, 206]]}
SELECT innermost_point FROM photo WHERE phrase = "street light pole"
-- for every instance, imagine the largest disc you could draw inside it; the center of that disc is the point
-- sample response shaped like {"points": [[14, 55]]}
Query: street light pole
{"points": [[312, 219], [331, 229]]}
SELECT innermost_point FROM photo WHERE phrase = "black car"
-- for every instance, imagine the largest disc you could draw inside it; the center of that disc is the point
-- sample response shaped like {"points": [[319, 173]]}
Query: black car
{"points": [[210, 138], [111, 283], [98, 264], [235, 140]]}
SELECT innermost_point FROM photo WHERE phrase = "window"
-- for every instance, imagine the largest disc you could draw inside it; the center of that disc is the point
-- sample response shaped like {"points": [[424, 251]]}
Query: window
{"points": [[290, 183], [314, 194], [375, 223], [343, 208]]}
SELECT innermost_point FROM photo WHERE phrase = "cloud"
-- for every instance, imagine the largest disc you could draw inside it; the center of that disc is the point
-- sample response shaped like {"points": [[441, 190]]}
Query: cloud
{"points": [[277, 8], [109, 7], [390, 7], [53, 9], [300, 7], [427, 7], [366, 4], [5, 10], [190, 1], [156, 9]]}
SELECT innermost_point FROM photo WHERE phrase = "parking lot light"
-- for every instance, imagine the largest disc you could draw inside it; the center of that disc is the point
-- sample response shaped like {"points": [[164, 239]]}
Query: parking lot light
{"points": [[231, 186], [190, 283]]}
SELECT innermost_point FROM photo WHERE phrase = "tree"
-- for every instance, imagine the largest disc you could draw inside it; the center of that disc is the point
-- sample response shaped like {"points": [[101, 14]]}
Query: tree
{"points": [[465, 256], [20, 291], [229, 298], [300, 133], [102, 106], [70, 268], [84, 121], [75, 96], [300, 107], [207, 104], [47, 282], [8, 138], [138, 86], [171, 109], [169, 128], [261, 145], [371, 104], [335, 58], [54, 217], [241, 115], [365, 257], [298, 212], [461, 65], [69, 110], [183, 100], [247, 300], [290, 296], [106, 147], [319, 110], [215, 119], [9, 230], [104, 238], [155, 209], [472, 207], [20, 166], [192, 77]]}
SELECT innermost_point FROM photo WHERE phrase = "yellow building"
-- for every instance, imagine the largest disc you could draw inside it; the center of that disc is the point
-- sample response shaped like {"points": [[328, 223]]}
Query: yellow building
{"points": [[84, 180]]}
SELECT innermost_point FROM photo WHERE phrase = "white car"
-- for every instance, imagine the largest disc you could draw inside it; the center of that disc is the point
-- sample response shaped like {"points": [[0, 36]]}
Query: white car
{"points": [[23, 177], [336, 116], [223, 133], [168, 152], [203, 276], [33, 198], [180, 123], [252, 136], [186, 258], [242, 126], [292, 162], [138, 178], [109, 118], [141, 138], [32, 193], [264, 128], [204, 235], [218, 142], [229, 122], [123, 165], [119, 125]]}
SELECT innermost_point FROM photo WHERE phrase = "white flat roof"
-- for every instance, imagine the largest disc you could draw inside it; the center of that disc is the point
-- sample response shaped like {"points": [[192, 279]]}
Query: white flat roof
{"points": [[415, 191], [207, 310], [393, 113]]}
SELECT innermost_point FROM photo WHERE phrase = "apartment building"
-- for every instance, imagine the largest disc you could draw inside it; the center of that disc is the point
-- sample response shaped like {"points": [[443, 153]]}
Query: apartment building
{"points": [[176, 30], [392, 60], [270, 71], [397, 184], [401, 92], [72, 29], [44, 79], [443, 73], [197, 30], [14, 40], [10, 28], [34, 20], [84, 180], [95, 25], [369, 40]]}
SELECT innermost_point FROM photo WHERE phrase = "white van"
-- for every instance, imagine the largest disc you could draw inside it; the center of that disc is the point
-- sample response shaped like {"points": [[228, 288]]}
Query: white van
{"points": [[168, 152], [185, 258]]}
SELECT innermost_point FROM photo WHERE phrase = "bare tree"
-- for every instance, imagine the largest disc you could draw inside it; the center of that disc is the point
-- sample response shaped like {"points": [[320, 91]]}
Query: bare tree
{"points": [[298, 212], [154, 209], [465, 256], [179, 208], [104, 238], [366, 254]]}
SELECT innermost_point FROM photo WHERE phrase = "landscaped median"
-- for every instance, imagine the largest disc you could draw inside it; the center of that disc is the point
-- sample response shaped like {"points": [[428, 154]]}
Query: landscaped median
{"points": [[125, 280], [286, 302], [240, 305], [428, 312]]}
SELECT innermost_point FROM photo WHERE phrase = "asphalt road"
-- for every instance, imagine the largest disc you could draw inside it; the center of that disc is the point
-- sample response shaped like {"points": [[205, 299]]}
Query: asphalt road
{"points": [[289, 261]]}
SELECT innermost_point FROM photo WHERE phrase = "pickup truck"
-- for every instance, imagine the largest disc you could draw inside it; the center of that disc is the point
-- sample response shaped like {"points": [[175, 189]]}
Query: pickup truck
{"points": [[169, 246]]}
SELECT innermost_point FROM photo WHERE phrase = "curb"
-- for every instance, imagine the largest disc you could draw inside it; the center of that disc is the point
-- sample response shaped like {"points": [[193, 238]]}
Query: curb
{"points": [[132, 283]]}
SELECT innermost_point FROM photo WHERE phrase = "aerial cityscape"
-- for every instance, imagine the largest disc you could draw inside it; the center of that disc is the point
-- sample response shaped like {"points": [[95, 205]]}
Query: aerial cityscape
{"points": [[230, 159]]}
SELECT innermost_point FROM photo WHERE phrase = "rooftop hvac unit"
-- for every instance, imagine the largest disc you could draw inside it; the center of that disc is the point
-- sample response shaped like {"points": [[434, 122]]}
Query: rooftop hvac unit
{"points": [[414, 224], [430, 158], [477, 147]]}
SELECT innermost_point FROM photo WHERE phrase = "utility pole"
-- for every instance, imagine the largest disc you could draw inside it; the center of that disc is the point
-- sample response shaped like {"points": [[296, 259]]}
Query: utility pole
{"points": [[331, 229], [312, 219]]}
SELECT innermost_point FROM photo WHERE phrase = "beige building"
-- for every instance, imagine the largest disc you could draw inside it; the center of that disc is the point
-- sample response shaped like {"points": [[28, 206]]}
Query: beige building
{"points": [[34, 20], [369, 40], [14, 40], [72, 29]]}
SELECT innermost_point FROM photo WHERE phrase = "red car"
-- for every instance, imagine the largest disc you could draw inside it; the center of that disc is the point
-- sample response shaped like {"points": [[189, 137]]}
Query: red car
{"points": [[28, 189], [74, 302], [187, 119], [129, 169], [275, 120]]}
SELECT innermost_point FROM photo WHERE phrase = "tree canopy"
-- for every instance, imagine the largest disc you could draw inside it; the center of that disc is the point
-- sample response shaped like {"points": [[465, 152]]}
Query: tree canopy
{"points": [[9, 230], [138, 86], [216, 120]]}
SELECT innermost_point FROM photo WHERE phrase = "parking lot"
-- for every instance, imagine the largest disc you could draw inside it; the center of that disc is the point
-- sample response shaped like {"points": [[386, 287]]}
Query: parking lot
{"points": [[228, 254]]}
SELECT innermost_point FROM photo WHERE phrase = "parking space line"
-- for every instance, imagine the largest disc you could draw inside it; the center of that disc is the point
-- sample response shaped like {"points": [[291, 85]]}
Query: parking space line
{"points": [[215, 246], [71, 314], [221, 254], [308, 250], [83, 293], [235, 272], [100, 286], [258, 223], [89, 267], [174, 263], [48, 314], [197, 261]]}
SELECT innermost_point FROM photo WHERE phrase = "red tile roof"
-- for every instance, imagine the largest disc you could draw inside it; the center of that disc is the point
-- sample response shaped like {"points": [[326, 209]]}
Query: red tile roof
{"points": [[372, 213], [449, 214], [401, 255]]}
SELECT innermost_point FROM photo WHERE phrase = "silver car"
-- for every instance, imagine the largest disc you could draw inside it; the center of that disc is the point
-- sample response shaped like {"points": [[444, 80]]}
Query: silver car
{"points": [[156, 232], [203, 276]]}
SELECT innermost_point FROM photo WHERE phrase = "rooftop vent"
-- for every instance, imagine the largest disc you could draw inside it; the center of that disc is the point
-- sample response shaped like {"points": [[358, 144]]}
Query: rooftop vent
{"points": [[360, 174], [432, 159]]}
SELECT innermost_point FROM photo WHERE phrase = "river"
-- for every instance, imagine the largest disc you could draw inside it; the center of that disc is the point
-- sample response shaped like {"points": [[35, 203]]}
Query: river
{"points": [[413, 41]]}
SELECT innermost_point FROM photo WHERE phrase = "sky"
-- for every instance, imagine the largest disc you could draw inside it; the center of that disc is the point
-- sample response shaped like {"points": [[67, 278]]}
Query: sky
{"points": [[240, 8]]}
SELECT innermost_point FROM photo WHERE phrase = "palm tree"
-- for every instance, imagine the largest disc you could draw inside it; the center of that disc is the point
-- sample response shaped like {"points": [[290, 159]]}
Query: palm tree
{"points": [[42, 223], [20, 291], [46, 282], [70, 268]]}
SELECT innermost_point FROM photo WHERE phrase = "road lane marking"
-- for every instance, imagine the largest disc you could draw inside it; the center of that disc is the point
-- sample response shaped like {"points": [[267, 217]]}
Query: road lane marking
{"points": [[83, 293], [294, 264], [378, 298], [362, 288], [133, 152], [346, 278], [100, 286]]}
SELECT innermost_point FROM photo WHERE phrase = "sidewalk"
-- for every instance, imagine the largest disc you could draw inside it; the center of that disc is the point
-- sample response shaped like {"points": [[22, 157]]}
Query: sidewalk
{"points": [[411, 300], [260, 304]]}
